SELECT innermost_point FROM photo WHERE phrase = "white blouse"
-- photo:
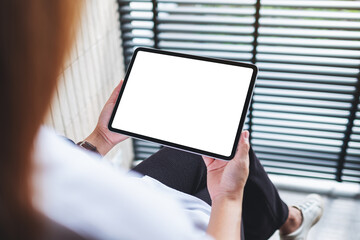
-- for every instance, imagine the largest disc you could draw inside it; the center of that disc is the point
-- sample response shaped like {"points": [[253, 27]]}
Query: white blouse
{"points": [[78, 190]]}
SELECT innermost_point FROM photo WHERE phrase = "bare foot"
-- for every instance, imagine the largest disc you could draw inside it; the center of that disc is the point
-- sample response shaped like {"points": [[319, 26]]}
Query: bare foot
{"points": [[293, 221]]}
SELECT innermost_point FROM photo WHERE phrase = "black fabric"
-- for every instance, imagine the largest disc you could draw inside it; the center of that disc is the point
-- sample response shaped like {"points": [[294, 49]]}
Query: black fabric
{"points": [[177, 169], [263, 210]]}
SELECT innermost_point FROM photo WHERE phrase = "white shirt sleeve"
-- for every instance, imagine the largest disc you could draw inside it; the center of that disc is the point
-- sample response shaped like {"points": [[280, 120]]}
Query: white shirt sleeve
{"points": [[95, 200]]}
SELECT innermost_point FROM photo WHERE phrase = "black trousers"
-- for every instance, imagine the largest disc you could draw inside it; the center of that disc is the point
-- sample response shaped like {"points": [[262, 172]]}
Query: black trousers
{"points": [[263, 211]]}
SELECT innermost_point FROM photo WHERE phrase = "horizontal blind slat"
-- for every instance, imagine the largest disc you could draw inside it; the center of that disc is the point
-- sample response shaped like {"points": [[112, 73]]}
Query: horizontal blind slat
{"points": [[313, 4], [296, 13]]}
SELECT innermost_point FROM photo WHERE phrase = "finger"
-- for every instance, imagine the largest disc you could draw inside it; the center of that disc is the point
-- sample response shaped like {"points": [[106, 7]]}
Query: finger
{"points": [[116, 92], [244, 145], [121, 83], [208, 160], [118, 87]]}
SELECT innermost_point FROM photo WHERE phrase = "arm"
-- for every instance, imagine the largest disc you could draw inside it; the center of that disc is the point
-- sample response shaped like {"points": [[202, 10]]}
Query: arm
{"points": [[102, 138], [226, 182], [225, 219]]}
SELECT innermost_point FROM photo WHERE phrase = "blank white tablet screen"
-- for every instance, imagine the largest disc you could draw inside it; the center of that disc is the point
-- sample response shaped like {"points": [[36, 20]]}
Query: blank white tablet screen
{"points": [[190, 102]]}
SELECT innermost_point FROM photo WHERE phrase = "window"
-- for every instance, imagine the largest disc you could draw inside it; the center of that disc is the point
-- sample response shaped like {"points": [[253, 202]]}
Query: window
{"points": [[304, 117]]}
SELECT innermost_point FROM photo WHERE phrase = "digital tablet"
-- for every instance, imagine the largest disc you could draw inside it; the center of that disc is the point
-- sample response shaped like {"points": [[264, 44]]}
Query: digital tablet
{"points": [[192, 103]]}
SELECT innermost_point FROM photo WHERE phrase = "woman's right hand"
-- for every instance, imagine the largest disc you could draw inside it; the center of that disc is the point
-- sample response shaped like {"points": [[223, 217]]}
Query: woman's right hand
{"points": [[227, 178]]}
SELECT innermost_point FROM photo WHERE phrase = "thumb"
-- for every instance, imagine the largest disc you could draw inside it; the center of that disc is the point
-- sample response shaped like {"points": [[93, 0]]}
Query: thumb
{"points": [[115, 93], [244, 145]]}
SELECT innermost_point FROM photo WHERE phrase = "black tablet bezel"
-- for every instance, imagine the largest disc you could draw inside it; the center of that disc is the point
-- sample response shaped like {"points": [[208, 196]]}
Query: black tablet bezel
{"points": [[178, 146]]}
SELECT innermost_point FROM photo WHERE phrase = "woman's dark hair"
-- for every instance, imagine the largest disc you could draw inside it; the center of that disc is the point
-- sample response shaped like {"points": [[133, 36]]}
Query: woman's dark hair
{"points": [[35, 38]]}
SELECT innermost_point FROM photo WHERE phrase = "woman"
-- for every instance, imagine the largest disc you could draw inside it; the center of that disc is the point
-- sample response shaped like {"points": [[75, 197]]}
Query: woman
{"points": [[44, 179]]}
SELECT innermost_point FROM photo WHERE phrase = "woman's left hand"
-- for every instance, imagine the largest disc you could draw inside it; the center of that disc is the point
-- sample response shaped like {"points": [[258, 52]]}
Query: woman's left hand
{"points": [[102, 137], [228, 178]]}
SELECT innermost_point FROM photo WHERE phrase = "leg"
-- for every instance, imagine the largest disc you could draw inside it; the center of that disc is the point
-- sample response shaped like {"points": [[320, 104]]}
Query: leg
{"points": [[177, 169], [263, 210]]}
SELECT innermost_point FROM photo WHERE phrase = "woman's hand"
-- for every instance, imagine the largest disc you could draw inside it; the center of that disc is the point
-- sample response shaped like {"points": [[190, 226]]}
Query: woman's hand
{"points": [[102, 137], [226, 182], [227, 178]]}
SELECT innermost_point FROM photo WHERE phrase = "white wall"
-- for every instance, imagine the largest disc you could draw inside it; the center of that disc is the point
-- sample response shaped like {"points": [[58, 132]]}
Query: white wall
{"points": [[92, 72]]}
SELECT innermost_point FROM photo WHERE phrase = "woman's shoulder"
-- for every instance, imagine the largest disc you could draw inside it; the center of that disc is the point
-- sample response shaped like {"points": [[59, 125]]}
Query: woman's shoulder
{"points": [[75, 188]]}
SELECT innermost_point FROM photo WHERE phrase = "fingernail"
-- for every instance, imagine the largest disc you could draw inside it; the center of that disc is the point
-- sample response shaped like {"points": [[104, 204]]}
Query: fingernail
{"points": [[246, 136]]}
